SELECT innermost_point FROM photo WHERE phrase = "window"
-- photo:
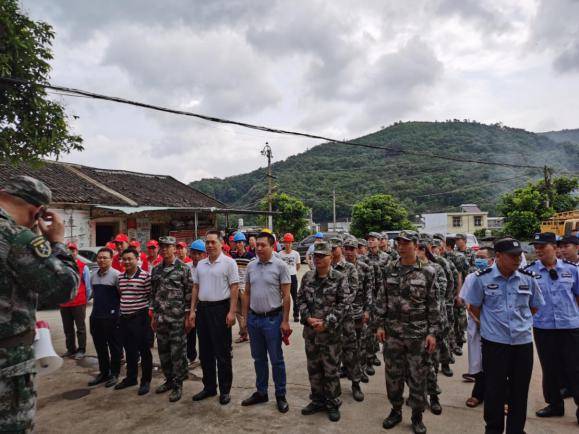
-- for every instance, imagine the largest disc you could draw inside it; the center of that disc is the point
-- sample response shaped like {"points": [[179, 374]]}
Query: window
{"points": [[456, 222], [478, 220]]}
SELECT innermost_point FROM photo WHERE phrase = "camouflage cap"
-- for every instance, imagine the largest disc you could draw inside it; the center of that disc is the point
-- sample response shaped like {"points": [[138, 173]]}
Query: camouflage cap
{"points": [[322, 248], [31, 190], [335, 242], [377, 235], [436, 242], [384, 235], [408, 236], [438, 236], [427, 238], [460, 237], [362, 242], [167, 240], [353, 242]]}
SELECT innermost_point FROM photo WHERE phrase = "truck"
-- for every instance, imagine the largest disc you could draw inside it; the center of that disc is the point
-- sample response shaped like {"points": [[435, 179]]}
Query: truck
{"points": [[562, 223]]}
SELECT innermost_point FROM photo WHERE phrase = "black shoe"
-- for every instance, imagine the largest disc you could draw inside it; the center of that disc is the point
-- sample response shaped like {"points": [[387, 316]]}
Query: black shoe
{"points": [[296, 319], [143, 389], [334, 414], [370, 370], [312, 408], [224, 399], [446, 371], [176, 393], [357, 392], [468, 378], [203, 395], [417, 425], [112, 381], [551, 411], [376, 362], [282, 405], [364, 378], [435, 406], [343, 373], [125, 383], [256, 398], [458, 351], [100, 378], [165, 387], [392, 420]]}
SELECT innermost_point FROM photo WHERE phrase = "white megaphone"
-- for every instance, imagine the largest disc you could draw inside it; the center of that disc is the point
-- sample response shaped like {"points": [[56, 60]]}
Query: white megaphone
{"points": [[47, 361]]}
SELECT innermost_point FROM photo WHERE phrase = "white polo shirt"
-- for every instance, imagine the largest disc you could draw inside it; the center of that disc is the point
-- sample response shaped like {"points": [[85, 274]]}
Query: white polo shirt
{"points": [[214, 278]]}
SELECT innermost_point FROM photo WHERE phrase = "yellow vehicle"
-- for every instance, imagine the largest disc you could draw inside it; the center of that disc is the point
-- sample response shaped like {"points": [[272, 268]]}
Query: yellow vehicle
{"points": [[562, 223]]}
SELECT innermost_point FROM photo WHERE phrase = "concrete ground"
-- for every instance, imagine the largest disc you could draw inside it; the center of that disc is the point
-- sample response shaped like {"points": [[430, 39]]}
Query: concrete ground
{"points": [[66, 404]]}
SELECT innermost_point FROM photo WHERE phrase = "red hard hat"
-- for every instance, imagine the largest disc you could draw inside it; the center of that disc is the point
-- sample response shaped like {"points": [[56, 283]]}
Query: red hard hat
{"points": [[288, 238], [135, 244], [182, 244], [121, 238], [152, 243], [72, 246], [111, 245]]}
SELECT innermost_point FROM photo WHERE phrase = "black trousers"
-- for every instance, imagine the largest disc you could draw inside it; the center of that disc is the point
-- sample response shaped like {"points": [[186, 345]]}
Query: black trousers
{"points": [[214, 345], [506, 366], [134, 330], [192, 345], [559, 356], [294, 294], [71, 316], [107, 342]]}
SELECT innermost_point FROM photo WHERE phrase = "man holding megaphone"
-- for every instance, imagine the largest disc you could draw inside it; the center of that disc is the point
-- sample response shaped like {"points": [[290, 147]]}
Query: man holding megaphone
{"points": [[32, 266]]}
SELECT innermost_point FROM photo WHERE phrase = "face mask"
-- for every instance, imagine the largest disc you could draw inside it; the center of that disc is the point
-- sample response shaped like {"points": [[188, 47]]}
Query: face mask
{"points": [[481, 263]]}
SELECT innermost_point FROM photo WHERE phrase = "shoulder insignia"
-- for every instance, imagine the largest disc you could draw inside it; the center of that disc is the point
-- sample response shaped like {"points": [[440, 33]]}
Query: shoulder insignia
{"points": [[569, 262], [485, 271], [527, 272], [41, 247], [529, 265]]}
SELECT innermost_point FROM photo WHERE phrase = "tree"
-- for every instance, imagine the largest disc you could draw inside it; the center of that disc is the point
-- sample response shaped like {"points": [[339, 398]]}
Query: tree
{"points": [[292, 217], [525, 208], [31, 126], [380, 212]]}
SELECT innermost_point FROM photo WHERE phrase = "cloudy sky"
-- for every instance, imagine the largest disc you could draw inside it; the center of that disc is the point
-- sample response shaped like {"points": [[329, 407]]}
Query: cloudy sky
{"points": [[341, 68]]}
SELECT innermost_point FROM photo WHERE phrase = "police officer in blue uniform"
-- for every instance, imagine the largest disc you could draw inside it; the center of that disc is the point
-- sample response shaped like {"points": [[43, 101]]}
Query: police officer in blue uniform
{"points": [[505, 298], [556, 324]]}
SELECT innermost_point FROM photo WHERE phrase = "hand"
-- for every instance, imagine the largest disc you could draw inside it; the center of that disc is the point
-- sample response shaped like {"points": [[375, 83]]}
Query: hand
{"points": [[230, 320], [187, 325], [54, 232], [366, 317], [430, 344], [381, 334], [154, 324], [285, 327], [192, 317], [314, 321], [458, 301], [320, 326]]}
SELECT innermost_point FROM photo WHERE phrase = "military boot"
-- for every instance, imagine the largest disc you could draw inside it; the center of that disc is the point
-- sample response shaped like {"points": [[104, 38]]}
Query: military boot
{"points": [[446, 371], [313, 407], [435, 406], [165, 387], [393, 419], [364, 378], [176, 393], [417, 425], [334, 414], [357, 392], [370, 370]]}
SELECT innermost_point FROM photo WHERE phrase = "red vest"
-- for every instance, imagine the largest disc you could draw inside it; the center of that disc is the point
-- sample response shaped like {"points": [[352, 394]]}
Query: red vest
{"points": [[80, 298]]}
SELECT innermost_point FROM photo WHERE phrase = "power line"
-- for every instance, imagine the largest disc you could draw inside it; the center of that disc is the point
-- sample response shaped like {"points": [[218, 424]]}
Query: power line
{"points": [[68, 90]]}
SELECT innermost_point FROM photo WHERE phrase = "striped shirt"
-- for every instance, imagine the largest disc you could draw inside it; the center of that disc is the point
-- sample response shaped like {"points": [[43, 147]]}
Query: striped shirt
{"points": [[135, 291]]}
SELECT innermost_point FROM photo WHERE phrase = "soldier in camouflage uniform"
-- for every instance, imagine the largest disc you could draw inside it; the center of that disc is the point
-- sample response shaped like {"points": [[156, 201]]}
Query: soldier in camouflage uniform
{"points": [[407, 317], [352, 322], [439, 250], [362, 303], [362, 247], [171, 285], [385, 247], [33, 268], [461, 264], [322, 302], [376, 259]]}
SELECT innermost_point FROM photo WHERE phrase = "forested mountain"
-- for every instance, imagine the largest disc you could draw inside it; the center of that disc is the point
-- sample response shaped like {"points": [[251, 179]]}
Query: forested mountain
{"points": [[563, 136], [421, 182]]}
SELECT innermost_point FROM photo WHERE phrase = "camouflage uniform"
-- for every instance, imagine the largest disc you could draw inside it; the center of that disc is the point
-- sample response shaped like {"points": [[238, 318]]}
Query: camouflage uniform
{"points": [[171, 300], [446, 310], [325, 298], [31, 271], [363, 303], [461, 264], [408, 310]]}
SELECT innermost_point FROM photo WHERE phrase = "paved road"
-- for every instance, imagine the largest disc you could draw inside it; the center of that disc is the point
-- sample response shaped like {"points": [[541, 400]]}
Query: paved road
{"points": [[66, 404]]}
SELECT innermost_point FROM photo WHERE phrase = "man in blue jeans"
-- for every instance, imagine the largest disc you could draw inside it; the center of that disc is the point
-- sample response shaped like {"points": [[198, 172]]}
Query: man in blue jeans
{"points": [[266, 305]]}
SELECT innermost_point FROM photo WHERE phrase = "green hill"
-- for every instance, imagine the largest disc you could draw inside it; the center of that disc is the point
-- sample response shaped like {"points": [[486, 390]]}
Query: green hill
{"points": [[422, 183], [562, 136]]}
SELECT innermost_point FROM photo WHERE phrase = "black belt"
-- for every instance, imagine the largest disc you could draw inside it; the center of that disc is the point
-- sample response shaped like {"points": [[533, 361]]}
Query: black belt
{"points": [[134, 314], [271, 313], [213, 303], [25, 339]]}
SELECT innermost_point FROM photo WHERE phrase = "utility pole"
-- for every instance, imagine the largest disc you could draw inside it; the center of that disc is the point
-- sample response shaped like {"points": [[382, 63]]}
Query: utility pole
{"points": [[548, 193], [334, 206], [266, 152]]}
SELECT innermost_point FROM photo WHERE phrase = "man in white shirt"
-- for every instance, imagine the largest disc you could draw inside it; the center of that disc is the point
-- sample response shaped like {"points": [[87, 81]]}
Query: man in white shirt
{"points": [[293, 261], [213, 307]]}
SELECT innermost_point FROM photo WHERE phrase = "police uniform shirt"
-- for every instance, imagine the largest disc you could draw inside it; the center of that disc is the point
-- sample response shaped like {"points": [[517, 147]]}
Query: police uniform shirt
{"points": [[266, 279], [561, 310], [215, 278], [505, 304]]}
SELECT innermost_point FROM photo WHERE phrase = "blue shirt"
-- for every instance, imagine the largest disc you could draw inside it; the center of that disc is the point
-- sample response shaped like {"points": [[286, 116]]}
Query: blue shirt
{"points": [[107, 299], [505, 305], [560, 310]]}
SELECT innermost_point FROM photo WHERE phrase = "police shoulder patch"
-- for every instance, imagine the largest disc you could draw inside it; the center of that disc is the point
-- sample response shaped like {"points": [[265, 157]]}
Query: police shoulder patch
{"points": [[530, 264], [485, 271], [569, 262], [41, 247], [527, 272]]}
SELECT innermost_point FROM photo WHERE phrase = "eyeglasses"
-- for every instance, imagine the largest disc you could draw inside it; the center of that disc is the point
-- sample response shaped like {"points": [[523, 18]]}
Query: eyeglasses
{"points": [[553, 274]]}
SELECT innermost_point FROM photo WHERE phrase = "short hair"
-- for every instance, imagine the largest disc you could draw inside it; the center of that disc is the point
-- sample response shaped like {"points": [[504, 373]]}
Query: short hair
{"points": [[490, 251], [130, 250], [213, 232], [270, 237], [107, 250], [450, 242]]}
